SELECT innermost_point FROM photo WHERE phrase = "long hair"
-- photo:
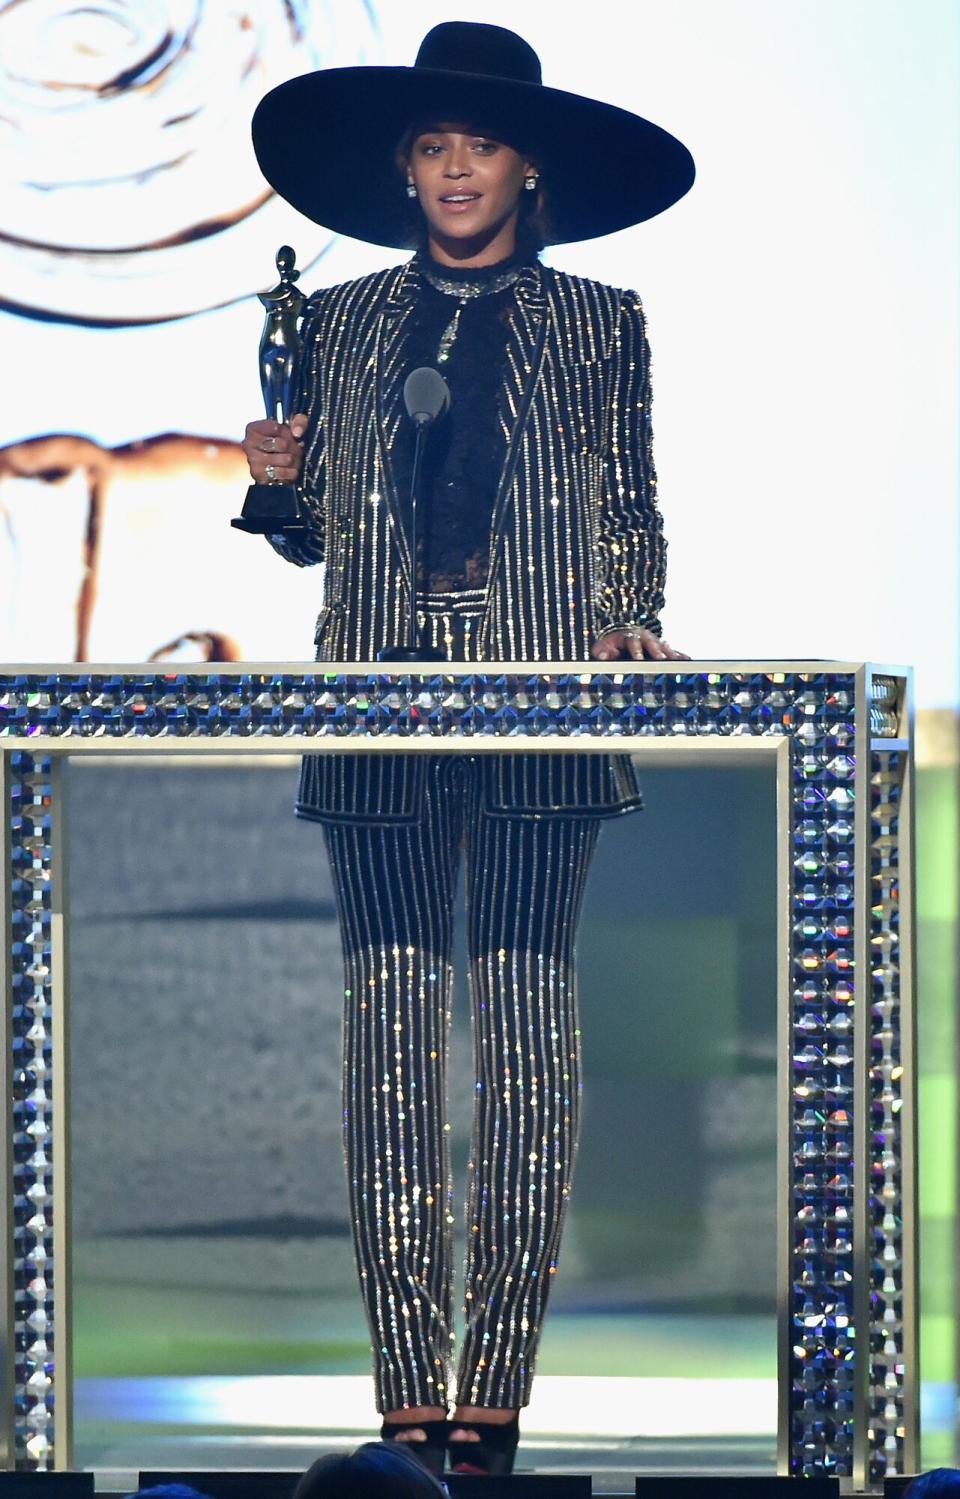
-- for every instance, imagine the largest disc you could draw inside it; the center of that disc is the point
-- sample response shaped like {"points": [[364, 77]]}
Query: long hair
{"points": [[377, 1470]]}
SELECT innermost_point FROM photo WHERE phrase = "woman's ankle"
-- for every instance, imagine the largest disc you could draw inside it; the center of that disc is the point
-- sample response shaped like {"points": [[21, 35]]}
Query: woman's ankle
{"points": [[482, 1413], [409, 1414]]}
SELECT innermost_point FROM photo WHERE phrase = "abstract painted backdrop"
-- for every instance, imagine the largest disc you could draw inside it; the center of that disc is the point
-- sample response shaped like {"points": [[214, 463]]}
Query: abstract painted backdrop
{"points": [[801, 300]]}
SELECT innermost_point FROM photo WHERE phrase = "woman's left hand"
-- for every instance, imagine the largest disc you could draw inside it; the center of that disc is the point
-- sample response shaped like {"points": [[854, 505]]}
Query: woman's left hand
{"points": [[634, 645]]}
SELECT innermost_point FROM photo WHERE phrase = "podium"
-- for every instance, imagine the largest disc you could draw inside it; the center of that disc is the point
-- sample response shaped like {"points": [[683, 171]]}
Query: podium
{"points": [[840, 735]]}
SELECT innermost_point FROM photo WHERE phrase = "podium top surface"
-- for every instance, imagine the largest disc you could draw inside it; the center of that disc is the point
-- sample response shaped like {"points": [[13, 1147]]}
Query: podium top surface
{"points": [[440, 668], [270, 707]]}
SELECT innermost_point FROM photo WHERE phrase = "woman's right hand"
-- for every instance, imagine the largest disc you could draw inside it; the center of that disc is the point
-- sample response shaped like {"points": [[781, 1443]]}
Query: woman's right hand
{"points": [[268, 442]]}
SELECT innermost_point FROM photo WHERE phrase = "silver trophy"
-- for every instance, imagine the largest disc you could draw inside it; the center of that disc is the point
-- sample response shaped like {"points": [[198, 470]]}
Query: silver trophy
{"points": [[274, 509]]}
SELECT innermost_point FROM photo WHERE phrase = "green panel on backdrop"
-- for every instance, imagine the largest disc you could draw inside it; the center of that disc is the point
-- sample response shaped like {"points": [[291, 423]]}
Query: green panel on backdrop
{"points": [[936, 993], [669, 992], [126, 1330], [937, 1101], [662, 1347], [667, 986], [939, 1255], [938, 1355], [936, 817], [936, 882], [665, 1235]]}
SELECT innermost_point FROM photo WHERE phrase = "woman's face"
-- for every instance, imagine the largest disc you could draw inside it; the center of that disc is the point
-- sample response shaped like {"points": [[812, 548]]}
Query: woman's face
{"points": [[468, 184]]}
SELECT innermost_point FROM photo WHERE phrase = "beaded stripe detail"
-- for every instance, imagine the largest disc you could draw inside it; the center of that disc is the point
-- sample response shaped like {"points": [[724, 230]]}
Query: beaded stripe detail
{"points": [[582, 497], [395, 886]]}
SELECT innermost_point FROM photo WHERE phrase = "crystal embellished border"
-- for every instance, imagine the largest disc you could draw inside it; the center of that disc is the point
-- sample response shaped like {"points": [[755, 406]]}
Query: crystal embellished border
{"points": [[887, 1413], [77, 707], [30, 814], [815, 711], [824, 996]]}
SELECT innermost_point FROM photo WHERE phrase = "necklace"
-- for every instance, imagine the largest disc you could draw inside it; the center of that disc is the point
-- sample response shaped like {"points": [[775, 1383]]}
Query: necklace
{"points": [[464, 291]]}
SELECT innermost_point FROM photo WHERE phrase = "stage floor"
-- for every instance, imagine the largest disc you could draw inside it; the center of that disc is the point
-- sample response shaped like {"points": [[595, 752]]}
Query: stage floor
{"points": [[612, 1467], [610, 1427]]}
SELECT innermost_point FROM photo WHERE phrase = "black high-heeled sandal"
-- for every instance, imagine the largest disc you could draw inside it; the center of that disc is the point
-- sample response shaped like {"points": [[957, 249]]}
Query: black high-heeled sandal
{"points": [[430, 1453], [492, 1455]]}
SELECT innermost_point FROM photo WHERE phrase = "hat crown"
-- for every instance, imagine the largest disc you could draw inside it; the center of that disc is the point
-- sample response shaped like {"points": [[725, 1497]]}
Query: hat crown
{"points": [[327, 141], [475, 47]]}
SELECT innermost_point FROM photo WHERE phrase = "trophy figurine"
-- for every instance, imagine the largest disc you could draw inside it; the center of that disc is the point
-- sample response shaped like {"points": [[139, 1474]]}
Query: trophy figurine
{"points": [[274, 508]]}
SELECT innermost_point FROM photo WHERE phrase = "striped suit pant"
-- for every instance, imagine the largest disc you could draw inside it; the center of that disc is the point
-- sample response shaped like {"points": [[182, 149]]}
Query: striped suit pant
{"points": [[395, 887]]}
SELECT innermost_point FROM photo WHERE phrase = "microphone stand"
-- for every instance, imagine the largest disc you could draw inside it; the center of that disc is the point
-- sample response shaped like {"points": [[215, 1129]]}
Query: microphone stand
{"points": [[413, 651]]}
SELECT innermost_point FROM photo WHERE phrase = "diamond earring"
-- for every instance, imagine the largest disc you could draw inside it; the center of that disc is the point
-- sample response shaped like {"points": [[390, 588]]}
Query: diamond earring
{"points": [[411, 190], [530, 183]]}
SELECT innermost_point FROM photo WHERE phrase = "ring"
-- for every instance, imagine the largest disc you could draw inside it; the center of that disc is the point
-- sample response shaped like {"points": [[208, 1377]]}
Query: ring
{"points": [[271, 473], [269, 445]]}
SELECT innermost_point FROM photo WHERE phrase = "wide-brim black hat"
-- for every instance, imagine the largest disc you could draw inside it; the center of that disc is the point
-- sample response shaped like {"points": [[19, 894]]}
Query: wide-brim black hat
{"points": [[327, 141]]}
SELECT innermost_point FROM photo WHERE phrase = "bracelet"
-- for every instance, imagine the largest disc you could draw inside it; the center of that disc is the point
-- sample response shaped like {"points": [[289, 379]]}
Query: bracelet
{"points": [[652, 625]]}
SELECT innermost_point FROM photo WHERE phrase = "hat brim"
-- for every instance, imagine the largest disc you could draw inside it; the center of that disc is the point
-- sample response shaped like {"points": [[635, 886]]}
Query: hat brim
{"points": [[326, 142]]}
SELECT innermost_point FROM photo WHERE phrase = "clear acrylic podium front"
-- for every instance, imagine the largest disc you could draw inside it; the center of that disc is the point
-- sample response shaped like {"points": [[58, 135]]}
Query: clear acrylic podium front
{"points": [[841, 737]]}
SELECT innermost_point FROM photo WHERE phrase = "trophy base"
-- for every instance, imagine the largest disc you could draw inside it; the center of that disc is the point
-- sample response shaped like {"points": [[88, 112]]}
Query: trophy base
{"points": [[271, 510]]}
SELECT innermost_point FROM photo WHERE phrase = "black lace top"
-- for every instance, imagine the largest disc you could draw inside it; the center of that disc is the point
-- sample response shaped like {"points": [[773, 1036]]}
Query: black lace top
{"points": [[466, 449]]}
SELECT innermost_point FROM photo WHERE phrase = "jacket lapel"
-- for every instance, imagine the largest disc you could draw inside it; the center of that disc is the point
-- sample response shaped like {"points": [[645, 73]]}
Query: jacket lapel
{"points": [[525, 353], [399, 301]]}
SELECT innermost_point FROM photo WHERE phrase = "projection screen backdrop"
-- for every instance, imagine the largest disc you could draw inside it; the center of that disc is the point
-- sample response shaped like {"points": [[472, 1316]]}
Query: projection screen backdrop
{"points": [[801, 300]]}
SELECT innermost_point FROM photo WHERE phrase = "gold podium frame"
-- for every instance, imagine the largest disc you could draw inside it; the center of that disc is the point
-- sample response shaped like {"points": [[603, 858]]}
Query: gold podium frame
{"points": [[841, 737]]}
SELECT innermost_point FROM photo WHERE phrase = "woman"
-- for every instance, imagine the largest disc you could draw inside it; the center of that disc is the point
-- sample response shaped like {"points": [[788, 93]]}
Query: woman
{"points": [[542, 541]]}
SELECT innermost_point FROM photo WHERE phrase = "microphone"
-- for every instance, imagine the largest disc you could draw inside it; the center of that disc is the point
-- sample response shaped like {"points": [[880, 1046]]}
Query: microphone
{"points": [[426, 396]]}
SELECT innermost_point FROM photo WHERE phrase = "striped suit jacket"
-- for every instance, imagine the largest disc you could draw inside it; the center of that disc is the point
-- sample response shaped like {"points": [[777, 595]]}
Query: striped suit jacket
{"points": [[577, 545]]}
